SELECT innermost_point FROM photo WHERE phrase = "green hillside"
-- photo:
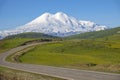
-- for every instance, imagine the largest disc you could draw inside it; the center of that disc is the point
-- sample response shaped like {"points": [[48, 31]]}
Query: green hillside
{"points": [[84, 54], [30, 35], [92, 51], [96, 34]]}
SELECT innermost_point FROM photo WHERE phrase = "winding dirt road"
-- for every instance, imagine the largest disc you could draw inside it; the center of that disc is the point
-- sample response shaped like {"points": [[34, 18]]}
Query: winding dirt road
{"points": [[65, 73]]}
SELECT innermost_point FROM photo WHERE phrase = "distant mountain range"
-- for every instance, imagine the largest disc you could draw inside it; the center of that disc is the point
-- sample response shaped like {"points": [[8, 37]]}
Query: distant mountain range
{"points": [[59, 24]]}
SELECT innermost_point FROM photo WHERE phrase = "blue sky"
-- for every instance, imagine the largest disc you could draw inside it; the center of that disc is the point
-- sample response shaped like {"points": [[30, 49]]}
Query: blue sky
{"points": [[14, 13]]}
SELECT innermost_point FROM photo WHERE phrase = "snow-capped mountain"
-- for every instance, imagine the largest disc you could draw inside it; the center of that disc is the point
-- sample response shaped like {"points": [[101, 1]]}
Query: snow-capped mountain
{"points": [[59, 24]]}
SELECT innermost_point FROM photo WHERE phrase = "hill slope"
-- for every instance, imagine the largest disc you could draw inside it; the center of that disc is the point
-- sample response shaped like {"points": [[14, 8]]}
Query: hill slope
{"points": [[96, 34], [82, 54]]}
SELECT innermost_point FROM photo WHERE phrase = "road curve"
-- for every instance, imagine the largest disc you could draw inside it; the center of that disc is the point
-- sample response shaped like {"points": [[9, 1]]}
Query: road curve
{"points": [[65, 73]]}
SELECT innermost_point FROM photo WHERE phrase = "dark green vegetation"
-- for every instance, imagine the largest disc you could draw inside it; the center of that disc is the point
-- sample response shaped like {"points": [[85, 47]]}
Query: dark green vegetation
{"points": [[30, 35], [9, 74], [96, 34]]}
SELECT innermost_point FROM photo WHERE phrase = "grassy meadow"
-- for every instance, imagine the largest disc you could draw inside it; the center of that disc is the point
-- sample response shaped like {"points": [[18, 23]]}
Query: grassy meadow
{"points": [[93, 54]]}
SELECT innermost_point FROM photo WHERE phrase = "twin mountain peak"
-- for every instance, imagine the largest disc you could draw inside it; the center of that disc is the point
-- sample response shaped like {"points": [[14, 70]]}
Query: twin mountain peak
{"points": [[58, 24]]}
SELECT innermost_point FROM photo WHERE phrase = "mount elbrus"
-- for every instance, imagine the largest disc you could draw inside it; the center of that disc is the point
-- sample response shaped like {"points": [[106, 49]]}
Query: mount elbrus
{"points": [[59, 24]]}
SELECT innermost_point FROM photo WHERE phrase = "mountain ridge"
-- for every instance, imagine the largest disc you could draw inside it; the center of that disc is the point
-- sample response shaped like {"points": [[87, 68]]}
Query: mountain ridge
{"points": [[58, 24]]}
